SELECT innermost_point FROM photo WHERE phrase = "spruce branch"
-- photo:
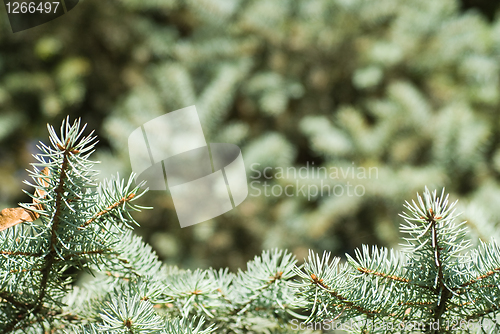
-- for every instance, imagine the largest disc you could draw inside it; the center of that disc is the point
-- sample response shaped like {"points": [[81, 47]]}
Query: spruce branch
{"points": [[436, 280], [36, 255]]}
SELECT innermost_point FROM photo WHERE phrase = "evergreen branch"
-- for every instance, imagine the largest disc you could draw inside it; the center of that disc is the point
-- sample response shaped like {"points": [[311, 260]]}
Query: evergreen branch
{"points": [[15, 271], [272, 279], [132, 257], [383, 275], [116, 275], [13, 301], [479, 278], [345, 302], [265, 276], [28, 324], [441, 288], [14, 324], [452, 306], [50, 257], [224, 296], [391, 277], [79, 254], [483, 313], [46, 313], [58, 186], [415, 303], [107, 210]]}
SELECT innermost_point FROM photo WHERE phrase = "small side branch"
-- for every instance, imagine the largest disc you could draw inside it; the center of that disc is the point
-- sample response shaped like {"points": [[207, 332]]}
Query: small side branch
{"points": [[383, 275], [276, 277], [479, 278], [443, 293], [483, 313], [345, 302], [108, 209], [78, 254], [9, 298], [9, 253]]}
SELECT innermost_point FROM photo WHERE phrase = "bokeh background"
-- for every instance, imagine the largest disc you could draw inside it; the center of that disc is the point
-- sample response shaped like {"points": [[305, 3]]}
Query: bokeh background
{"points": [[408, 87]]}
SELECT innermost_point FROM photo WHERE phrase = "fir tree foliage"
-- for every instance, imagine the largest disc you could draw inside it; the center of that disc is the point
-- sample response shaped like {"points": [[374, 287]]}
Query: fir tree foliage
{"points": [[78, 225], [435, 284], [86, 226]]}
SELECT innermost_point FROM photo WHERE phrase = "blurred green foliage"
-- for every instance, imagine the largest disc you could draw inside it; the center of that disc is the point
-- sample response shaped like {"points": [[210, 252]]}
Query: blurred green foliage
{"points": [[409, 87]]}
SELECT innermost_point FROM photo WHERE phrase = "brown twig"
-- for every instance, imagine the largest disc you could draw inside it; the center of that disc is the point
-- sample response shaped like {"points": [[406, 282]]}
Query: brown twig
{"points": [[108, 209]]}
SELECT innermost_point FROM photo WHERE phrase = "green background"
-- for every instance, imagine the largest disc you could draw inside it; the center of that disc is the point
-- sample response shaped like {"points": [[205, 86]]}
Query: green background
{"points": [[408, 87]]}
